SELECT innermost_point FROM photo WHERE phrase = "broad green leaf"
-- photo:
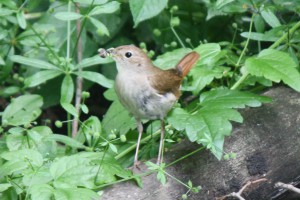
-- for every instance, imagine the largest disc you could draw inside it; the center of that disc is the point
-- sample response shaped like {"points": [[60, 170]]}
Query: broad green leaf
{"points": [[4, 186], [11, 167], [67, 141], [33, 62], [41, 192], [276, 66], [89, 2], [74, 171], [170, 59], [9, 91], [21, 19], [259, 23], [3, 34], [225, 98], [107, 8], [259, 36], [22, 110], [97, 78], [74, 194], [207, 126], [29, 156], [202, 77], [117, 117], [109, 167], [41, 77], [5, 11], [145, 9], [270, 18], [67, 90], [95, 60], [37, 176], [100, 26], [209, 53], [66, 16], [69, 108]]}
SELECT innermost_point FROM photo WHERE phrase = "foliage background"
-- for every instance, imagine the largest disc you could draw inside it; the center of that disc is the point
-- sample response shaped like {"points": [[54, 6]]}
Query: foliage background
{"points": [[49, 47]]}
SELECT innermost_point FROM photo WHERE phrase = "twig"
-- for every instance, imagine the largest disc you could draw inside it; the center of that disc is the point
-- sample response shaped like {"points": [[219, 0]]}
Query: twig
{"points": [[239, 193], [79, 80], [287, 186]]}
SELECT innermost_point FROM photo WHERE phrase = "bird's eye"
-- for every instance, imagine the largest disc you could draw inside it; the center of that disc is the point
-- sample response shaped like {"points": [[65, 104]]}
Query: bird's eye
{"points": [[128, 54]]}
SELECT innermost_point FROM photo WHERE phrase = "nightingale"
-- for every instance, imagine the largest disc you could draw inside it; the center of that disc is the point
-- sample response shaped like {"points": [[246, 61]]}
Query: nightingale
{"points": [[145, 90]]}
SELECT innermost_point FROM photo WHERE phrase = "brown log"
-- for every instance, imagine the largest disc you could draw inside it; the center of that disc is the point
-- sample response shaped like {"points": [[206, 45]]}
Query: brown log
{"points": [[267, 145]]}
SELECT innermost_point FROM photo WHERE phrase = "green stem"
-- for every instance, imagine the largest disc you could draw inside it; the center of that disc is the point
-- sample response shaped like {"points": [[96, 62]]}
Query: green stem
{"points": [[247, 42], [273, 46], [177, 36], [176, 179], [132, 147], [68, 34], [185, 156]]}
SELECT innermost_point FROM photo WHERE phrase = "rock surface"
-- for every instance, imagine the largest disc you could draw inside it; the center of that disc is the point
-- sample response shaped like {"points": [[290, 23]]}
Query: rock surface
{"points": [[267, 145]]}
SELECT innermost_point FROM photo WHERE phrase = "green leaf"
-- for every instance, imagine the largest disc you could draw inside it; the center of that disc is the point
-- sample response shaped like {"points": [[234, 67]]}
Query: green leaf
{"points": [[67, 90], [4, 186], [276, 66], [73, 171], [66, 16], [100, 26], [29, 156], [270, 18], [89, 2], [113, 148], [37, 176], [41, 192], [202, 77], [225, 98], [22, 110], [11, 167], [170, 59], [74, 194], [259, 36], [5, 11], [97, 78], [109, 169], [209, 53], [161, 177], [90, 127], [117, 117], [107, 8], [41, 77], [95, 60], [146, 9], [32, 62], [21, 19], [208, 125], [69, 108], [67, 141], [84, 108]]}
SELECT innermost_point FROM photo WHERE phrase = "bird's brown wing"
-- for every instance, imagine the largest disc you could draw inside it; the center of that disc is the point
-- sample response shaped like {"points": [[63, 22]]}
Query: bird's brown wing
{"points": [[165, 81]]}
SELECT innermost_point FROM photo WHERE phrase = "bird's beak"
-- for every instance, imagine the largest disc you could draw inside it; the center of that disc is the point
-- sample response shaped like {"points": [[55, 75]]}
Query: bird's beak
{"points": [[104, 53]]}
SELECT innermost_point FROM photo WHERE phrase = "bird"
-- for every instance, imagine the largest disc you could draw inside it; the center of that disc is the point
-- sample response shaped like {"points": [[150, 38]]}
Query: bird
{"points": [[145, 90]]}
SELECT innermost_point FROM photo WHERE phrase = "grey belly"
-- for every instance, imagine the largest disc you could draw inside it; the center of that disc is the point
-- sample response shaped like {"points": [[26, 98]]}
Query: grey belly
{"points": [[147, 105]]}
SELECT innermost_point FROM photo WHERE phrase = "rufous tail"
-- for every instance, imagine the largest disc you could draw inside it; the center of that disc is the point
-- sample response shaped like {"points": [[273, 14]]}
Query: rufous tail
{"points": [[187, 62]]}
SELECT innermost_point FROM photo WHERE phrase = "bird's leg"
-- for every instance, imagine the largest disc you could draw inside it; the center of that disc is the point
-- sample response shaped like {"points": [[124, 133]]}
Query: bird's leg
{"points": [[140, 130], [161, 143]]}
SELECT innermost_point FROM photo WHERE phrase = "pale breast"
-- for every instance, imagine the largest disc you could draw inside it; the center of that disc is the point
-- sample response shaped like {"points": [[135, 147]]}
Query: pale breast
{"points": [[140, 99]]}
